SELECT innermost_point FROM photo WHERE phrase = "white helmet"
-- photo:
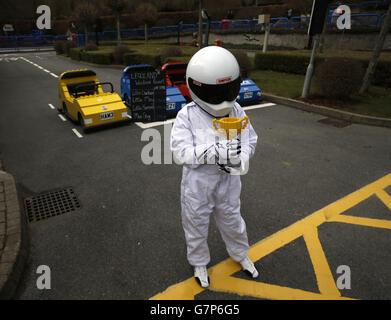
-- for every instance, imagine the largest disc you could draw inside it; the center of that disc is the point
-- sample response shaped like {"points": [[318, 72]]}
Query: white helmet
{"points": [[213, 79]]}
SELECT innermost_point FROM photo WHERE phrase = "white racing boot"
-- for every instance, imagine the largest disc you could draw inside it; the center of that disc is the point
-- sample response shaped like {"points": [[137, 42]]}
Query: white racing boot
{"points": [[249, 267], [201, 275]]}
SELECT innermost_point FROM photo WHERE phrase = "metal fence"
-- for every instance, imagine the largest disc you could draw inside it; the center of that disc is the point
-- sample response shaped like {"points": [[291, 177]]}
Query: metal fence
{"points": [[295, 23]]}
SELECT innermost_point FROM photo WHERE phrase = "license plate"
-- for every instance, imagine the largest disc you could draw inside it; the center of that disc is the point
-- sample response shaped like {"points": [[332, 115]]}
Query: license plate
{"points": [[107, 115], [171, 106], [248, 95]]}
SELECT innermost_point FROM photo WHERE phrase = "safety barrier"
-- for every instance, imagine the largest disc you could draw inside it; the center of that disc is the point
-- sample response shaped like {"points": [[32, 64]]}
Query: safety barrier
{"points": [[295, 23]]}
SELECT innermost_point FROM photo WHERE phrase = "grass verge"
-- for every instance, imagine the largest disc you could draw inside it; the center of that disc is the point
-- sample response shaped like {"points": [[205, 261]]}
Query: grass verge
{"points": [[376, 103]]}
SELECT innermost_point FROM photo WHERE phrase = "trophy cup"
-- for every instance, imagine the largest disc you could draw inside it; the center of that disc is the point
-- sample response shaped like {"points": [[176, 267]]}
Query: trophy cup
{"points": [[230, 128]]}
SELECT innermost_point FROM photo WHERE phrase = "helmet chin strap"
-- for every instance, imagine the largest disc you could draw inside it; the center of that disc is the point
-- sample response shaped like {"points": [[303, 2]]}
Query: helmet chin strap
{"points": [[211, 114]]}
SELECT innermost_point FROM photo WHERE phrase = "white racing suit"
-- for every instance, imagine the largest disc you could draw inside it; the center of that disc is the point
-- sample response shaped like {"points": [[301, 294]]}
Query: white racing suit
{"points": [[205, 189]]}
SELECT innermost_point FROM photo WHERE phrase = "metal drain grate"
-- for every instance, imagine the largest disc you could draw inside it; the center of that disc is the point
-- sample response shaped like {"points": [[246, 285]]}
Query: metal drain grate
{"points": [[50, 204], [335, 122]]}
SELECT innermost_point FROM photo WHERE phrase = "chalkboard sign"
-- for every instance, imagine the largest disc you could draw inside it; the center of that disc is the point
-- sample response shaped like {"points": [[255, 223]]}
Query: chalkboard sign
{"points": [[148, 94]]}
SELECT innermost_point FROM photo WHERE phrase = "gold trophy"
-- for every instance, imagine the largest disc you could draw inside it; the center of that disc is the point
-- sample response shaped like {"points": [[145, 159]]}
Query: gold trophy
{"points": [[230, 127]]}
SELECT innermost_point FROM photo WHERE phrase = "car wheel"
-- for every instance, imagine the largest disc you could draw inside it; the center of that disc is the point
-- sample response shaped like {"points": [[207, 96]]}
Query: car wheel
{"points": [[64, 109], [127, 103], [81, 120]]}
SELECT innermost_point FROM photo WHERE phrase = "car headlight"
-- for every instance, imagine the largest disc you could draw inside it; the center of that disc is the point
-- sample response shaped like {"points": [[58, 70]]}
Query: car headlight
{"points": [[124, 114], [87, 121]]}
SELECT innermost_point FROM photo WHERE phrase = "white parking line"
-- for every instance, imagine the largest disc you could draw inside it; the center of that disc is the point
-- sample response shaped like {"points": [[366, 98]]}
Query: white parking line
{"points": [[62, 117], [154, 124], [259, 106], [162, 123], [77, 133], [39, 67], [51, 106]]}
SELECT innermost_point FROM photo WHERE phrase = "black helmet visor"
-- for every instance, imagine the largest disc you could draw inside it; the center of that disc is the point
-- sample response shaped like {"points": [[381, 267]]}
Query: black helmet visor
{"points": [[216, 93]]}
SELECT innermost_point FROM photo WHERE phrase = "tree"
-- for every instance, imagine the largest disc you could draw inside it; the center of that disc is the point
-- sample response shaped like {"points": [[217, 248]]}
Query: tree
{"points": [[200, 23], [117, 7], [85, 15], [376, 52], [147, 13]]}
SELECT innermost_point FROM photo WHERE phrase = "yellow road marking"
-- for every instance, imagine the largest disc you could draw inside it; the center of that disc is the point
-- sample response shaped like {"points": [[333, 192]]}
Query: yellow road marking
{"points": [[368, 222], [221, 274], [323, 274], [384, 197]]}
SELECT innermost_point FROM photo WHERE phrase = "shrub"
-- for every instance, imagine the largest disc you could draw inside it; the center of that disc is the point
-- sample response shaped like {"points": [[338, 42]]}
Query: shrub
{"points": [[185, 59], [338, 77], [67, 46], [244, 62], [382, 76], [296, 64], [100, 58], [59, 46], [172, 51], [118, 54], [75, 53], [91, 47], [96, 57], [132, 58]]}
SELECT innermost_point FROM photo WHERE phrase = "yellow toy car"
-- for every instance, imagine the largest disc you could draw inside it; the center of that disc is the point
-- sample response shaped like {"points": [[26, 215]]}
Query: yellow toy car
{"points": [[83, 99]]}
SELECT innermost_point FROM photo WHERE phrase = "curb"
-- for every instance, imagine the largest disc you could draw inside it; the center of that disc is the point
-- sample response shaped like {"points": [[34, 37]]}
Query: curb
{"points": [[25, 51], [13, 237], [114, 66], [329, 112]]}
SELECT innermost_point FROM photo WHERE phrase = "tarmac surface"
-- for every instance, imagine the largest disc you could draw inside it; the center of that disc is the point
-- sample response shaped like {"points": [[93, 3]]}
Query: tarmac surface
{"points": [[127, 242]]}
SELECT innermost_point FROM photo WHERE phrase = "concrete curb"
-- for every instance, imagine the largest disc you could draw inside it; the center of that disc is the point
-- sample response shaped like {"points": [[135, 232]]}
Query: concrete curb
{"points": [[114, 66], [13, 237], [25, 51], [329, 112]]}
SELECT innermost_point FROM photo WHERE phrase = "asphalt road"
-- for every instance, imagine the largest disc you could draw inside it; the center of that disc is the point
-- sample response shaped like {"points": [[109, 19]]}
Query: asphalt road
{"points": [[127, 242]]}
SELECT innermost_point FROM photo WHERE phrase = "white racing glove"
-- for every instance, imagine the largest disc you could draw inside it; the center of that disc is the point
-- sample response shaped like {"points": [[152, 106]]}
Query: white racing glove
{"points": [[221, 152]]}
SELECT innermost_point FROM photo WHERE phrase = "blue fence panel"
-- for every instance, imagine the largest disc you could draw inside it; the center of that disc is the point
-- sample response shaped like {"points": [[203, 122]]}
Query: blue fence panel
{"points": [[381, 20], [189, 27], [299, 22], [280, 23], [215, 25], [240, 24], [158, 30], [7, 42], [254, 23], [80, 40], [204, 24], [173, 29], [109, 35], [365, 20]]}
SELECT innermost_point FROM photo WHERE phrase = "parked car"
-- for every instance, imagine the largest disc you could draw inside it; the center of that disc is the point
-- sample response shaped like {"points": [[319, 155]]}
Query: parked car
{"points": [[174, 97], [83, 100], [176, 77]]}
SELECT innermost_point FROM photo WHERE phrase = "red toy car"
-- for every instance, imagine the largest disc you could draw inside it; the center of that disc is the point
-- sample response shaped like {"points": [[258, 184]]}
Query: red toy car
{"points": [[176, 77]]}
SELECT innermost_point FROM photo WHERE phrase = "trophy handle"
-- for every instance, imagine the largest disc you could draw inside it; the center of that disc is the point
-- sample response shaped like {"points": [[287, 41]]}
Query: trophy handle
{"points": [[214, 124], [246, 122]]}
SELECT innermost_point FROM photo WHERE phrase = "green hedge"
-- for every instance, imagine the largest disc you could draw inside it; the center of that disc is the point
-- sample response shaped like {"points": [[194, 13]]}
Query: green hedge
{"points": [[297, 64], [74, 53], [90, 56], [133, 58], [96, 57]]}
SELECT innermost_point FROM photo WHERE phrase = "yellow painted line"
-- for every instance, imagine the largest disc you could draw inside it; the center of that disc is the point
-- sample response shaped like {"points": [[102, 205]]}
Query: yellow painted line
{"points": [[385, 198], [267, 291], [220, 274], [368, 222], [186, 290], [324, 277]]}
